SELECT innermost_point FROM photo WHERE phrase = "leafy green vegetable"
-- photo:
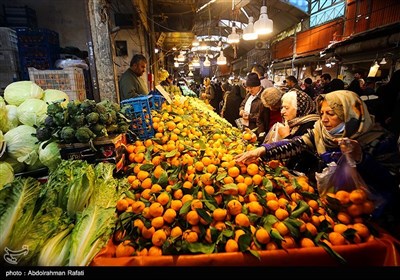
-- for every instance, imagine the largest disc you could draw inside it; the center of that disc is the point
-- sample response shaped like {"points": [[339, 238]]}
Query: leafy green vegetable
{"points": [[92, 231], [17, 206], [55, 251], [6, 173], [108, 189], [3, 116]]}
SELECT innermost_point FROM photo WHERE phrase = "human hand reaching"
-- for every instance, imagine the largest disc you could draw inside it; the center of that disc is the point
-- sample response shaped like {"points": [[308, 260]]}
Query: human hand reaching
{"points": [[250, 156]]}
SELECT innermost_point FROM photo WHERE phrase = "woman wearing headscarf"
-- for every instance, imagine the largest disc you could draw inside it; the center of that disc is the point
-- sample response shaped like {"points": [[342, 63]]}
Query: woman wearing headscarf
{"points": [[344, 115], [299, 114]]}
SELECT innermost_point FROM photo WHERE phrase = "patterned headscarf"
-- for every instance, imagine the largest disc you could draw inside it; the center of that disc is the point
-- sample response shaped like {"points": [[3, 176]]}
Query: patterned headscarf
{"points": [[305, 108], [359, 124]]}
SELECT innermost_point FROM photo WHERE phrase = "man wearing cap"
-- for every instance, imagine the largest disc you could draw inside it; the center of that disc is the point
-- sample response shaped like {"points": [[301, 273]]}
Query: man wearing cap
{"points": [[251, 106]]}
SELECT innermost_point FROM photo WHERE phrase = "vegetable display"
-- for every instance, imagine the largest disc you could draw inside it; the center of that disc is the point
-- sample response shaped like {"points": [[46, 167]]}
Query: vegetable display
{"points": [[57, 224]]}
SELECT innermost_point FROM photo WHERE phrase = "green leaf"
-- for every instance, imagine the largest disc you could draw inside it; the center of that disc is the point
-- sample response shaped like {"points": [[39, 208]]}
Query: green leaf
{"points": [[301, 207], [185, 207], [269, 220], [244, 242], [255, 253], [221, 176], [163, 180], [201, 248], [294, 230], [147, 167], [331, 252], [204, 215], [171, 153]]}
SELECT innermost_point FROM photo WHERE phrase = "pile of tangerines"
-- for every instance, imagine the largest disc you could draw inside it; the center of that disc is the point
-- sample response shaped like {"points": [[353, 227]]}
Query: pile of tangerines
{"points": [[188, 195]]}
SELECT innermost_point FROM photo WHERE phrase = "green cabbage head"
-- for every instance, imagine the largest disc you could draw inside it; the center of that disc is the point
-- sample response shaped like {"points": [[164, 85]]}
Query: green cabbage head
{"points": [[32, 112], [17, 92], [22, 145]]}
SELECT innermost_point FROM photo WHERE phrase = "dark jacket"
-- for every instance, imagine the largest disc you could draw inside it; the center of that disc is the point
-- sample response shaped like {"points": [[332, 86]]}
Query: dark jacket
{"points": [[233, 99], [255, 110]]}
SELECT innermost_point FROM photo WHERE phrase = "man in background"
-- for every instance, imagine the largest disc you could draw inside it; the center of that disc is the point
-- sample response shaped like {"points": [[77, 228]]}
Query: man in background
{"points": [[309, 88], [260, 71], [292, 82], [131, 84]]}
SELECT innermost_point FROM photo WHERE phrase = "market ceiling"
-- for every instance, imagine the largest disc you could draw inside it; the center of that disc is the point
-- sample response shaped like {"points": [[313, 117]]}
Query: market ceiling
{"points": [[180, 20]]}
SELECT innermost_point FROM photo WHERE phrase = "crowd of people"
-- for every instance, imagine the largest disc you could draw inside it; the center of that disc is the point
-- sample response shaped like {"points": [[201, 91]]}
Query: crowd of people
{"points": [[304, 124]]}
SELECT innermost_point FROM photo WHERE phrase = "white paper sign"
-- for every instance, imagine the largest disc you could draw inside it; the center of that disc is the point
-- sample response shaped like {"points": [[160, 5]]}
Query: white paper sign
{"points": [[164, 93]]}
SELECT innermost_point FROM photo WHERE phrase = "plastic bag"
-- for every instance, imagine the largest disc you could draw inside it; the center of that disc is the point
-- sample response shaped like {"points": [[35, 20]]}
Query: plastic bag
{"points": [[273, 133], [341, 187]]}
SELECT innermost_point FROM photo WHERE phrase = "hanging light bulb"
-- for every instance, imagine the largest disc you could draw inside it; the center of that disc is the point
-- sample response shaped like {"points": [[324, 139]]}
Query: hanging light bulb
{"points": [[263, 25], [176, 64], [248, 31], [221, 60], [195, 42], [181, 56], [190, 73], [304, 68], [196, 61], [233, 38], [373, 70], [383, 61]]}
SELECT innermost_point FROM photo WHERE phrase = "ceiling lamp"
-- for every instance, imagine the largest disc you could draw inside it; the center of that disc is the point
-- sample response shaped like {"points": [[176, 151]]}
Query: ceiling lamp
{"points": [[248, 31], [195, 42], [304, 68], [221, 60], [383, 61], [196, 61], [263, 25], [181, 57], [373, 70], [206, 62], [190, 73], [176, 64], [233, 38]]}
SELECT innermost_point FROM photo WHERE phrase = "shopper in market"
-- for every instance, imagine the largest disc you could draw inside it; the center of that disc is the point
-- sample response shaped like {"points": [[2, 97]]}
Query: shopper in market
{"points": [[374, 150], [212, 94], [260, 71], [292, 82], [271, 111], [232, 100], [309, 88], [168, 81], [325, 83], [131, 84], [298, 112], [251, 106], [389, 94]]}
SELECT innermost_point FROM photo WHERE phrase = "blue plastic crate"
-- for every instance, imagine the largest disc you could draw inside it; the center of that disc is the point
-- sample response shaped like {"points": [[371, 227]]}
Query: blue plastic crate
{"points": [[139, 112], [156, 102]]}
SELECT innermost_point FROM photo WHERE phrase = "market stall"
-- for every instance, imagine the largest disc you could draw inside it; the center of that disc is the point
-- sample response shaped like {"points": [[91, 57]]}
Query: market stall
{"points": [[180, 198]]}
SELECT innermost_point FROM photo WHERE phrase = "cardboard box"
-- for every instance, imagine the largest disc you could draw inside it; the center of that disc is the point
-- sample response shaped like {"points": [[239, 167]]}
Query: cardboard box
{"points": [[104, 149]]}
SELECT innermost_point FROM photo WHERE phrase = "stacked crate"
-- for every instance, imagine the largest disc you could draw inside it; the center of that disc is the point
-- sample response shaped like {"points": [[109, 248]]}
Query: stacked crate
{"points": [[38, 48], [9, 66], [70, 80], [21, 16]]}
